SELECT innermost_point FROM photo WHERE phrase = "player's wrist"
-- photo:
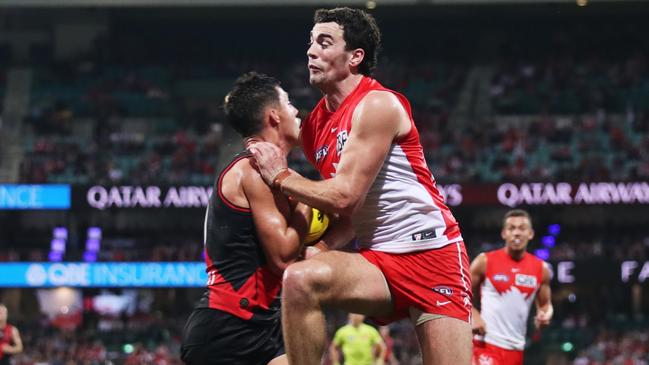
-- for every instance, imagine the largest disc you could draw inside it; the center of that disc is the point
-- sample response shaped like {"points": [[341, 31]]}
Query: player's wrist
{"points": [[279, 177]]}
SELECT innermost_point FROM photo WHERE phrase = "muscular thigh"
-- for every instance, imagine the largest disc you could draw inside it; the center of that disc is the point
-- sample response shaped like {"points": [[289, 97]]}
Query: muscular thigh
{"points": [[445, 341], [352, 283]]}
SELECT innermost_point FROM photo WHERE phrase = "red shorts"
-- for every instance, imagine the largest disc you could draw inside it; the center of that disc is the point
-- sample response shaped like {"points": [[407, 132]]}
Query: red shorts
{"points": [[434, 281], [488, 354]]}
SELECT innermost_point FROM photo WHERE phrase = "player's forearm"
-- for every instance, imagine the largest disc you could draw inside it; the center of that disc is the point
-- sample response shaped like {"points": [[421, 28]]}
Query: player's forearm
{"points": [[299, 221], [382, 352], [331, 195], [340, 233], [13, 349], [335, 356]]}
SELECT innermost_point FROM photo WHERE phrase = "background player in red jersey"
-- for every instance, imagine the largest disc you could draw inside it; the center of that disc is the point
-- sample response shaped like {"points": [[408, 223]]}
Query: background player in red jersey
{"points": [[10, 341], [509, 280], [252, 233], [362, 139]]}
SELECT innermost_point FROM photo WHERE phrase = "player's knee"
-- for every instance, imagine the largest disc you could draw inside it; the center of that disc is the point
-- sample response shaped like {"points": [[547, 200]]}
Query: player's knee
{"points": [[306, 279]]}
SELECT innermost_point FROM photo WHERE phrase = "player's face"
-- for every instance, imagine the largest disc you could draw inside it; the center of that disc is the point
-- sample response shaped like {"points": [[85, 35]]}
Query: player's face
{"points": [[356, 319], [328, 60], [517, 232], [3, 314], [290, 123], [384, 331]]}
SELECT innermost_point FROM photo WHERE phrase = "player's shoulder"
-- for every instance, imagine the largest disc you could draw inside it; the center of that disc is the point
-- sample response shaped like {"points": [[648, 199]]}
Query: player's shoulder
{"points": [[369, 328], [381, 100], [241, 164], [535, 259], [379, 108], [248, 172], [482, 257]]}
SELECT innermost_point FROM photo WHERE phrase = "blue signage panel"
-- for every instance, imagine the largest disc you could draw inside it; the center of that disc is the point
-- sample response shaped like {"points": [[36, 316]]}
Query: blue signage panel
{"points": [[18, 197], [103, 274]]}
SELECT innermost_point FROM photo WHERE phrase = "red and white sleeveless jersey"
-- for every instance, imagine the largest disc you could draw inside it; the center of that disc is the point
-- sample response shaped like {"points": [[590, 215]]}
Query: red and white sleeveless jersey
{"points": [[403, 210], [506, 296]]}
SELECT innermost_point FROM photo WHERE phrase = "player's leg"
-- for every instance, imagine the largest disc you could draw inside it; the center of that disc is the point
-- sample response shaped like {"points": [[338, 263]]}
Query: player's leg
{"points": [[331, 279], [436, 283], [280, 360], [445, 341]]}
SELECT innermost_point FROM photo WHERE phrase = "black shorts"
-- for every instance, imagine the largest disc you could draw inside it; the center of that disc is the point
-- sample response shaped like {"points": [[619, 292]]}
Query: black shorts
{"points": [[214, 337]]}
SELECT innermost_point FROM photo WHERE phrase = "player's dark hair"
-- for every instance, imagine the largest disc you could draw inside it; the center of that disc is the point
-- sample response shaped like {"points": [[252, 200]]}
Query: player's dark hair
{"points": [[359, 31], [517, 213], [244, 105]]}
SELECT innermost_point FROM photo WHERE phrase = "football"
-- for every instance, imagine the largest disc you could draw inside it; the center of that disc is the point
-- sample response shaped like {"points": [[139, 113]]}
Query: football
{"points": [[318, 226]]}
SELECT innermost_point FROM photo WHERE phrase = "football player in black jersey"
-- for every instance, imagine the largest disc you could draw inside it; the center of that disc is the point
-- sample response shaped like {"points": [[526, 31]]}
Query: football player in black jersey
{"points": [[252, 233]]}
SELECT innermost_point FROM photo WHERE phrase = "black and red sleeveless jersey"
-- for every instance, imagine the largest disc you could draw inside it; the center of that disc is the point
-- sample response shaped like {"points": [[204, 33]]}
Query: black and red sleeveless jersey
{"points": [[6, 337], [239, 280]]}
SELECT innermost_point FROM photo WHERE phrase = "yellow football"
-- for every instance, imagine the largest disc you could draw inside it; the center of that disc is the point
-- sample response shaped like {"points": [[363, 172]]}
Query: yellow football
{"points": [[318, 226]]}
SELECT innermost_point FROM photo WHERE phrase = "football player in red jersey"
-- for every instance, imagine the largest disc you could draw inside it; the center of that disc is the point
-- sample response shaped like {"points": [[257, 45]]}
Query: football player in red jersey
{"points": [[509, 279], [362, 139]]}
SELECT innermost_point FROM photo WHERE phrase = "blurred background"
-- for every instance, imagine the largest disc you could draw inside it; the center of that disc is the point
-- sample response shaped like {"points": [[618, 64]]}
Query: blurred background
{"points": [[111, 133]]}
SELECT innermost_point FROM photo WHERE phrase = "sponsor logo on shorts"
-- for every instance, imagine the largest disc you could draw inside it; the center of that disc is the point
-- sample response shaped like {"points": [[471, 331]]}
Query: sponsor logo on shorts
{"points": [[485, 360], [444, 290], [527, 281], [467, 301], [501, 277], [321, 153]]}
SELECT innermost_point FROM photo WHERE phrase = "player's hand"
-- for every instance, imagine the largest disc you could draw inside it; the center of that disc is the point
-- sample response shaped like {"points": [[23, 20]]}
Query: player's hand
{"points": [[270, 160], [310, 251], [543, 317], [478, 326], [5, 347]]}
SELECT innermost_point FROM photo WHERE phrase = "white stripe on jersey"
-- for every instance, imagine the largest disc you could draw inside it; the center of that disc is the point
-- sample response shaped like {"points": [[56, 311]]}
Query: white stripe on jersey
{"points": [[397, 207]]}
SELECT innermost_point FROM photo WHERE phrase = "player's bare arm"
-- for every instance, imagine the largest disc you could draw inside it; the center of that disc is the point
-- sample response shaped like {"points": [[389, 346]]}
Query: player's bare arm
{"points": [[17, 346], [478, 271], [340, 233], [544, 309], [381, 349], [334, 353], [279, 228], [377, 121]]}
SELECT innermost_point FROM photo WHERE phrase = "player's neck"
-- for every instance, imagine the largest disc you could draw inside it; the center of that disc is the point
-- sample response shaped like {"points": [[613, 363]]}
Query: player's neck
{"points": [[271, 138], [3, 325], [336, 94], [515, 255]]}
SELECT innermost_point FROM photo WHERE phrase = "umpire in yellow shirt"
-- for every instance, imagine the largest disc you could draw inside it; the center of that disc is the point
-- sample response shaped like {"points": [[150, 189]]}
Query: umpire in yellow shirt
{"points": [[360, 343]]}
